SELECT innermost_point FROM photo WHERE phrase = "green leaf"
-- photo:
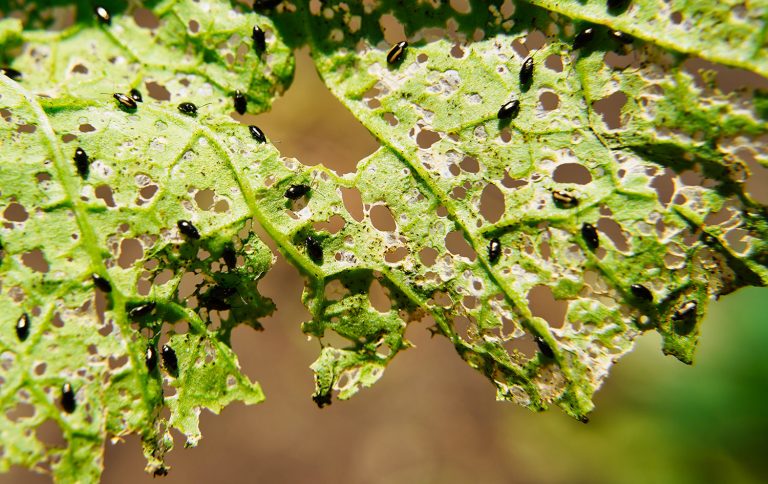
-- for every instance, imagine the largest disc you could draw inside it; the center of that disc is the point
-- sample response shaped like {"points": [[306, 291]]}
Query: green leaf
{"points": [[120, 223], [725, 31], [445, 152], [198, 52], [662, 176], [148, 169]]}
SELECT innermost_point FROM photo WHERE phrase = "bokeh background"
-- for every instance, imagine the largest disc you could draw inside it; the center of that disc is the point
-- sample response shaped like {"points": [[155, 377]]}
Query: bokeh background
{"points": [[432, 419]]}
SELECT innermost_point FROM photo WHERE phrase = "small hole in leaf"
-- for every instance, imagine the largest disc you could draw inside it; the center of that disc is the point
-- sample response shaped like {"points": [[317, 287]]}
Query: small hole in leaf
{"points": [[131, 251], [204, 199], [525, 345], [146, 18], [35, 260], [428, 256], [544, 305], [470, 164], [148, 192], [457, 51], [158, 91], [381, 218], [378, 297], [221, 206], [572, 173], [441, 299], [554, 62], [391, 119], [458, 193], [758, 178], [49, 433], [87, 128], [392, 29], [458, 245], [15, 212], [610, 109], [613, 230], [619, 62], [104, 192], [664, 186], [353, 202], [535, 40], [396, 255], [332, 225], [463, 327], [427, 138], [194, 26], [492, 203], [22, 410], [335, 290], [163, 277], [549, 101]]}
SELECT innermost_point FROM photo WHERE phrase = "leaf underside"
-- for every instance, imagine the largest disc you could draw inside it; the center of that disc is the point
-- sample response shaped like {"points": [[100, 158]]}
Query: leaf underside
{"points": [[636, 139]]}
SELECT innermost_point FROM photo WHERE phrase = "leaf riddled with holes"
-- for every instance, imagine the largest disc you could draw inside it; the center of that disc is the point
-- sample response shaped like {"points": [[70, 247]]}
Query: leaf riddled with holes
{"points": [[154, 329], [731, 32], [611, 181], [616, 190]]}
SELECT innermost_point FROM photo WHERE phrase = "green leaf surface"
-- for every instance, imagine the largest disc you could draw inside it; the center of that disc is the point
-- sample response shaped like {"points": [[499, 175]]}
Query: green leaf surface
{"points": [[182, 51], [631, 138], [148, 169], [730, 32], [662, 185], [120, 223]]}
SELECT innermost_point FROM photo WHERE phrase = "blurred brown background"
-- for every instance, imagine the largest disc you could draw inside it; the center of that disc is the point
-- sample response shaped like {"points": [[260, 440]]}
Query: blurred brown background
{"points": [[432, 419]]}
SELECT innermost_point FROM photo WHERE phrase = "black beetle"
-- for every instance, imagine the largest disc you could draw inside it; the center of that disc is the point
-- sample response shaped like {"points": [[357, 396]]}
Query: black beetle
{"points": [[494, 250], [685, 317], [188, 108], [10, 73], [187, 229], [583, 38], [102, 283], [68, 402], [589, 233], [397, 52], [564, 200], [314, 249], [150, 357], [170, 361], [526, 71], [81, 162], [544, 347], [509, 110], [240, 102], [259, 40], [125, 101], [141, 310], [257, 134], [641, 292], [22, 327], [294, 192]]}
